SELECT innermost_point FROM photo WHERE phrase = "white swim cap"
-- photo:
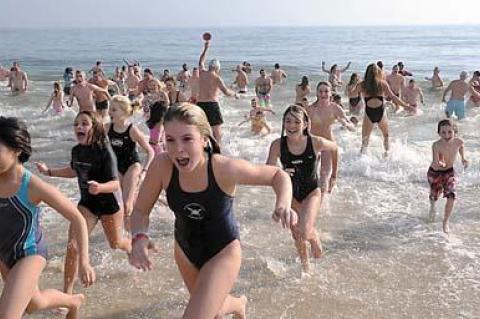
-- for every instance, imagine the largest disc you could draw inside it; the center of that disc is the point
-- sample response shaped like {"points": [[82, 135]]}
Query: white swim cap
{"points": [[214, 65]]}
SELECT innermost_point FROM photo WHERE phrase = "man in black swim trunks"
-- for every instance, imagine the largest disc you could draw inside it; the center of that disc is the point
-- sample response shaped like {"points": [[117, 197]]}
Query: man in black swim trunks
{"points": [[210, 84], [101, 99]]}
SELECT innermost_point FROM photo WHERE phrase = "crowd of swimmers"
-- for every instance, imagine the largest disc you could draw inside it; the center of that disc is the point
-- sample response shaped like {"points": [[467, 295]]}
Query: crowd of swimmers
{"points": [[183, 158]]}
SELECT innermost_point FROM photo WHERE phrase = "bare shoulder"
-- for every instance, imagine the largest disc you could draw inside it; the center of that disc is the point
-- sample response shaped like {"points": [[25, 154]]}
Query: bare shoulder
{"points": [[459, 141], [37, 188]]}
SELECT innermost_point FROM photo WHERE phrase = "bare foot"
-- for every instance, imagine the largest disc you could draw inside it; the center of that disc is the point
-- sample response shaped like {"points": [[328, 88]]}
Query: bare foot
{"points": [[77, 301], [316, 248], [242, 314], [446, 227]]}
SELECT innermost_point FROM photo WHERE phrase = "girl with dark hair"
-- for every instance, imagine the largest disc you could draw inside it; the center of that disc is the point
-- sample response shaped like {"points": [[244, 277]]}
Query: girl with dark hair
{"points": [[354, 98], [94, 164], [335, 75], [200, 184], [22, 247], [302, 90], [297, 151], [374, 90], [155, 125], [56, 99]]}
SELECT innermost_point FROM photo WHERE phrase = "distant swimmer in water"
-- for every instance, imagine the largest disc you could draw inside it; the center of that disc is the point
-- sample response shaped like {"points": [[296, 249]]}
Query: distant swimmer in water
{"points": [[297, 151], [23, 252], [436, 80], [335, 75], [323, 113], [83, 92], [258, 119], [441, 175], [175, 96], [396, 82], [302, 89], [241, 80], [200, 185], [402, 70], [374, 89], [475, 83], [459, 89], [278, 75], [17, 79], [210, 84], [124, 136], [354, 97], [93, 163], [263, 87], [193, 84], [56, 99], [412, 94]]}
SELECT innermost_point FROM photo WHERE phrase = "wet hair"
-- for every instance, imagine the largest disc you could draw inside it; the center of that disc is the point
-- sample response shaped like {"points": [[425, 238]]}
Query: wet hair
{"points": [[380, 64], [99, 62], [191, 114], [447, 122], [185, 67], [304, 82], [400, 64], [277, 66], [157, 113], [261, 70], [214, 64], [148, 71], [353, 79], [170, 79], [372, 80], [166, 71], [14, 134], [68, 70], [98, 136], [123, 103], [57, 88], [333, 67], [298, 112], [324, 83], [476, 73]]}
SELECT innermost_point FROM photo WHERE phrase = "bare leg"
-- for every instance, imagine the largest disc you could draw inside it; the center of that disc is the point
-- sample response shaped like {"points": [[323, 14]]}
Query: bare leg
{"points": [[71, 258], [217, 133], [212, 284], [366, 131], [383, 125], [112, 226], [433, 210], [129, 184], [448, 213]]}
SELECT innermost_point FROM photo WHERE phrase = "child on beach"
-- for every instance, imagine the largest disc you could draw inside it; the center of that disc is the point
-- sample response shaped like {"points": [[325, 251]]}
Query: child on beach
{"points": [[257, 119], [124, 137], [94, 164], [411, 94], [200, 185], [155, 126], [22, 246], [297, 151], [56, 99], [441, 175]]}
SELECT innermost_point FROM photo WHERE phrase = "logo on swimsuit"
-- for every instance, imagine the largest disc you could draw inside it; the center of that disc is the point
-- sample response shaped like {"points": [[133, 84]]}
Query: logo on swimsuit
{"points": [[295, 162], [195, 211], [116, 142]]}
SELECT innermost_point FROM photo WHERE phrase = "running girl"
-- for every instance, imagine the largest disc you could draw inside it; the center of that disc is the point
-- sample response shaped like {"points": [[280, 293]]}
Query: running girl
{"points": [[56, 99], [155, 125], [22, 247], [200, 185], [297, 151], [93, 163], [124, 137]]}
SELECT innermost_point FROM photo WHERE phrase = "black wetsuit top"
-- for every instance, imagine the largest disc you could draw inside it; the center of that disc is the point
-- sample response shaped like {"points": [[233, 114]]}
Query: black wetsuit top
{"points": [[302, 168], [124, 148], [375, 114], [204, 221]]}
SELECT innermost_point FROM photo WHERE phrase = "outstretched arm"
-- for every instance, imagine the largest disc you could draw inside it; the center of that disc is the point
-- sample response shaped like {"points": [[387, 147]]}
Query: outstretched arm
{"points": [[201, 61], [346, 67], [323, 68]]}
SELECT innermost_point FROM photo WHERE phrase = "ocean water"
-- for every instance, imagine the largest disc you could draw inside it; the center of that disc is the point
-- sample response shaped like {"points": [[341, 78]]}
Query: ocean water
{"points": [[383, 260]]}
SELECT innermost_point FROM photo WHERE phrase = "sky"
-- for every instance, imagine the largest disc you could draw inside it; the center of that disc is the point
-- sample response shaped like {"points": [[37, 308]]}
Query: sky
{"points": [[193, 13]]}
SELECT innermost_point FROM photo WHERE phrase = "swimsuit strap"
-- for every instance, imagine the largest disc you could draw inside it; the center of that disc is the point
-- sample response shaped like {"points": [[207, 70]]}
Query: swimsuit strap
{"points": [[22, 193]]}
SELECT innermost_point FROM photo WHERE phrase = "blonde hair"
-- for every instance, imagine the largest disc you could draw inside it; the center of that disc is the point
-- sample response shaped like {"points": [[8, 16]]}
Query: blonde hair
{"points": [[191, 114], [123, 103]]}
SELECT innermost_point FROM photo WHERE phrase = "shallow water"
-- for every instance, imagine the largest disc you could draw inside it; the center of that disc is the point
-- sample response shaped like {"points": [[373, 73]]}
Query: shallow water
{"points": [[383, 260]]}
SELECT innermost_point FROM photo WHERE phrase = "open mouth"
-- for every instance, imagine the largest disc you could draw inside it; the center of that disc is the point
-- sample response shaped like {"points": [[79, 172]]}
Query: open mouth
{"points": [[292, 132], [81, 136], [182, 161]]}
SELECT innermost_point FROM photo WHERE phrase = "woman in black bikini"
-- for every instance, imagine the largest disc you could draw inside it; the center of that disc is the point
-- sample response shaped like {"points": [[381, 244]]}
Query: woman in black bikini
{"points": [[374, 89]]}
